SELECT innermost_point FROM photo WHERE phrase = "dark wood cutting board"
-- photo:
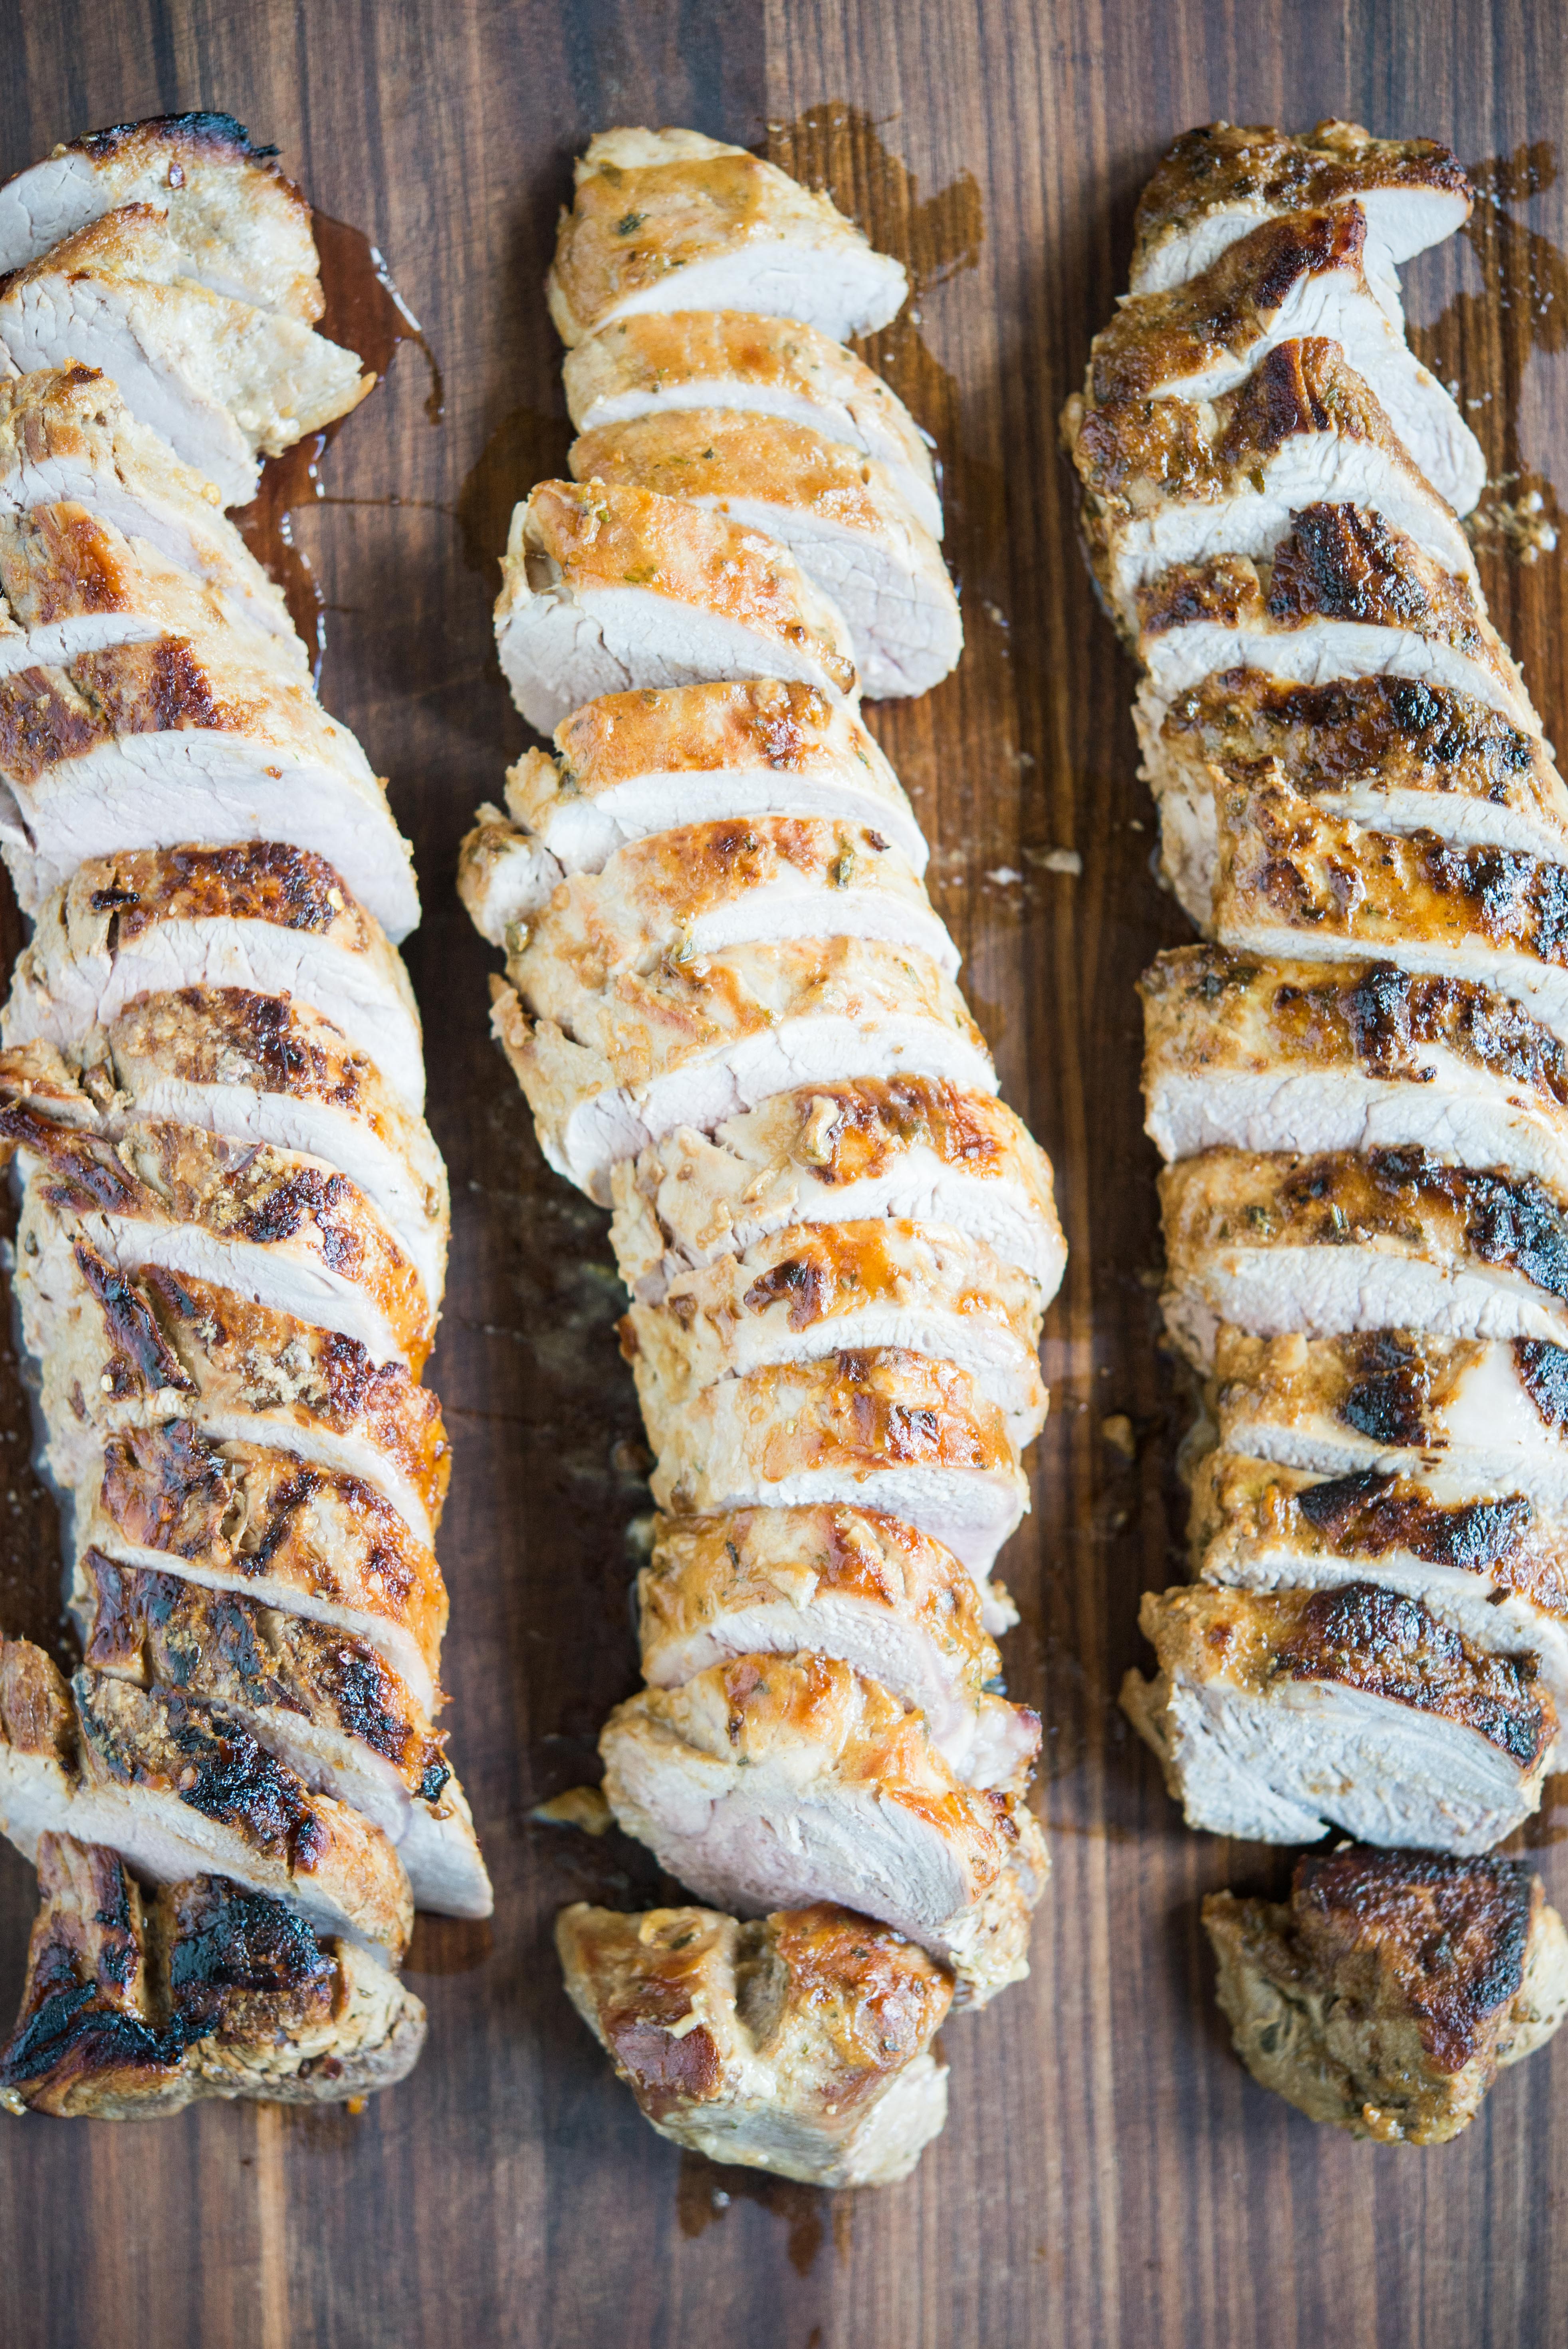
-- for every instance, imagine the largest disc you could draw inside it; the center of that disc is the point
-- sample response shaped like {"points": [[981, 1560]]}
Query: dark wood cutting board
{"points": [[1109, 2176]]}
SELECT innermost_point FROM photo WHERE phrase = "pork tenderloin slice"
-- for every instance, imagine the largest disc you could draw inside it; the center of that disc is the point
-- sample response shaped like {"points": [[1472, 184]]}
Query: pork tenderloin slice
{"points": [[1216, 184], [1278, 1717], [325, 1703], [909, 1148], [888, 1431], [664, 363], [777, 1780], [668, 220], [801, 2044], [823, 1289], [1384, 1996], [840, 514], [263, 917], [241, 227], [872, 1590], [608, 1072], [224, 383], [1342, 1241], [1302, 276], [609, 589], [179, 1789], [1250, 1053], [629, 764]]}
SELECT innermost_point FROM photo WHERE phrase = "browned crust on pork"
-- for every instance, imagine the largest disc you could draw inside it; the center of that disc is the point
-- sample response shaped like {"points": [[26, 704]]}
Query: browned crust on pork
{"points": [[759, 722], [1393, 1387]]}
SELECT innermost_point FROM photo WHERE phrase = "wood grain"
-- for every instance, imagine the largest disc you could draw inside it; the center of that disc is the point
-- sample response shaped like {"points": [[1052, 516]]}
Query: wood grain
{"points": [[1109, 2176]]}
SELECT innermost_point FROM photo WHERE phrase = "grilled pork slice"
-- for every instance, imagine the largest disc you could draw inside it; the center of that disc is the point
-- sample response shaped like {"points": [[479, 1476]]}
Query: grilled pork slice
{"points": [[264, 1523], [799, 2043], [659, 364], [1338, 1241], [1275, 1718], [1383, 752], [223, 382], [607, 589], [1295, 278], [635, 763], [606, 1073], [692, 891], [776, 1781], [668, 220], [888, 1431], [177, 1789], [1248, 1053], [1215, 185], [264, 916], [872, 1590], [135, 2006], [326, 1702], [241, 227], [1168, 481], [911, 1147], [1494, 1417], [1386, 1994], [824, 1288], [842, 516]]}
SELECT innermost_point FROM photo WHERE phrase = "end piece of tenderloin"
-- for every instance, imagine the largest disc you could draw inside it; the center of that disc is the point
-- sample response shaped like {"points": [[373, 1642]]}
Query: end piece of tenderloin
{"points": [[1276, 1718], [1253, 1053], [138, 2004], [223, 382], [894, 1431], [823, 1289], [320, 1700], [1215, 185], [1171, 483], [777, 1782], [841, 515], [799, 2043], [872, 1590], [1386, 753], [1386, 1994], [241, 227], [660, 364], [912, 1148], [608, 1072], [263, 917], [180, 1790], [609, 589], [1301, 277], [668, 220], [1493, 1416], [1342, 1241]]}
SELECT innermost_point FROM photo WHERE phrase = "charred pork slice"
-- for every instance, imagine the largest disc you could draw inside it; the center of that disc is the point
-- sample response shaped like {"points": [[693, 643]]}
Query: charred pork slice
{"points": [[1384, 753], [1275, 1718], [324, 1701], [912, 1148], [776, 1781], [669, 363], [1292, 279], [800, 2043], [135, 2006], [608, 589], [1253, 1053], [1384, 1995], [178, 1788], [263, 917], [668, 220], [1340, 1242], [841, 515], [609, 1069]]}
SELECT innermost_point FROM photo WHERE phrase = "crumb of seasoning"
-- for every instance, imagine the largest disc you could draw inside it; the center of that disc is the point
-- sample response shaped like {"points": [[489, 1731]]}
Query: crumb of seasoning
{"points": [[580, 1806], [1116, 1430], [356, 2105], [1058, 860]]}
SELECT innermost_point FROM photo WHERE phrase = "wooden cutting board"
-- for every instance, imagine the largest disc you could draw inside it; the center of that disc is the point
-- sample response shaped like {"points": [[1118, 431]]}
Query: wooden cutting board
{"points": [[1109, 2176]]}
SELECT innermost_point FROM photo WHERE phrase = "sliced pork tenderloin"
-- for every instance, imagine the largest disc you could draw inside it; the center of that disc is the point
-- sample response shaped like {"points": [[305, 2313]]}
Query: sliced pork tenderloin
{"points": [[668, 220]]}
